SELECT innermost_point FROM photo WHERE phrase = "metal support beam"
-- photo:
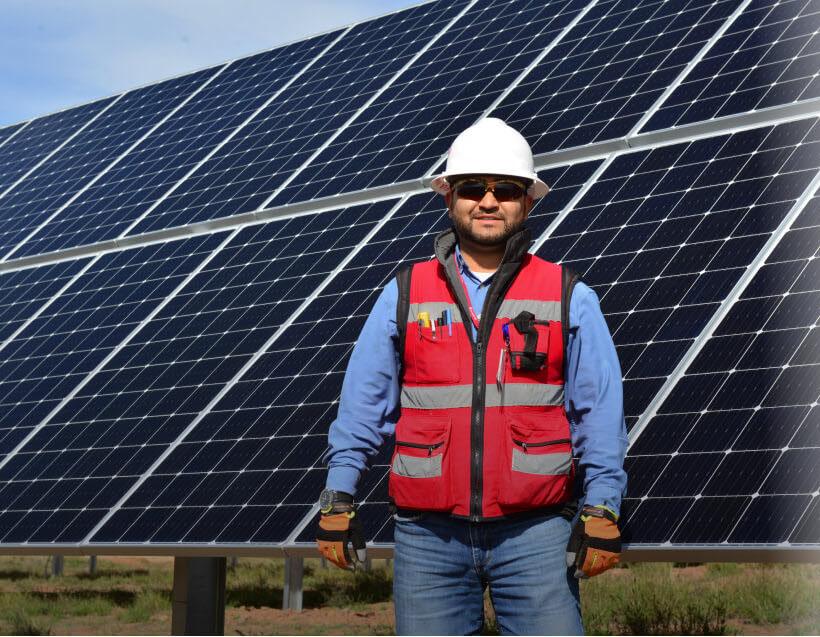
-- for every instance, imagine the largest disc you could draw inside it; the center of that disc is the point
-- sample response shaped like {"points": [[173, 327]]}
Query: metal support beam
{"points": [[57, 565], [292, 591], [92, 565], [198, 599]]}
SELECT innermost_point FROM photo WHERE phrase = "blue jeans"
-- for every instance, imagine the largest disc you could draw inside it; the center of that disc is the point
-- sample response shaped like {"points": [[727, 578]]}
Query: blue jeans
{"points": [[442, 566]]}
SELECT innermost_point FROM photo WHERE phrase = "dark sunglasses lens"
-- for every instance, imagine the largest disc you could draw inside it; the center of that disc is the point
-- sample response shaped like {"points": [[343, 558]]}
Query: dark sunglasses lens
{"points": [[507, 191], [471, 190]]}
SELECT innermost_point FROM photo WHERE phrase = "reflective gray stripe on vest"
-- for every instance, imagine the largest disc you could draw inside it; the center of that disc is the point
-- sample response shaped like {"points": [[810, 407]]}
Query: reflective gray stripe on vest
{"points": [[512, 394], [543, 310], [415, 467], [545, 464], [509, 309], [434, 311]]}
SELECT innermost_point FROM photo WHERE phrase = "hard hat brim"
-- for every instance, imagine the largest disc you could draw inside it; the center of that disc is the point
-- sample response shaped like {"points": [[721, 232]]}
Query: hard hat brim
{"points": [[536, 190]]}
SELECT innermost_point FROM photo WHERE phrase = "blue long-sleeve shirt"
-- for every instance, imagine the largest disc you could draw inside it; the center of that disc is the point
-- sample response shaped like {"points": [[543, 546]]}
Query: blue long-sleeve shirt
{"points": [[368, 407]]}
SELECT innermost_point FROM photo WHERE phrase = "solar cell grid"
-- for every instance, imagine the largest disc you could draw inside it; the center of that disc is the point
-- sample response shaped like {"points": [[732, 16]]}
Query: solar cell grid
{"points": [[65, 173], [109, 207], [609, 71], [749, 442], [409, 127], [8, 131], [124, 417], [245, 172], [40, 137], [47, 361], [22, 294], [770, 56], [664, 234]]}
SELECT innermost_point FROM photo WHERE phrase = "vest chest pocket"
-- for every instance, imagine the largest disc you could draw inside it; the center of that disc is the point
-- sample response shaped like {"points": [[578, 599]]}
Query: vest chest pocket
{"points": [[528, 342], [418, 471], [434, 360], [537, 464]]}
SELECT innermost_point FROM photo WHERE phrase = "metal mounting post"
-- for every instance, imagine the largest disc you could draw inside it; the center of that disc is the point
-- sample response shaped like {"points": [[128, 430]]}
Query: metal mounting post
{"points": [[57, 565], [92, 565], [292, 591], [198, 599]]}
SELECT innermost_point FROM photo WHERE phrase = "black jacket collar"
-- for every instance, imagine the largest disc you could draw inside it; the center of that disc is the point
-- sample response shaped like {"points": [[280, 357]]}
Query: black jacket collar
{"points": [[514, 253]]}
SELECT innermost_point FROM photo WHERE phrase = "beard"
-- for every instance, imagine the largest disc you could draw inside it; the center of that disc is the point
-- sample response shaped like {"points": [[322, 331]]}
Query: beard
{"points": [[489, 238]]}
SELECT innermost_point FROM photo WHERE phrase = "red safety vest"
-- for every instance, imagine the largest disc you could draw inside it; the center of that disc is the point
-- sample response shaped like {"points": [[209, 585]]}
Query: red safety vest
{"points": [[483, 432]]}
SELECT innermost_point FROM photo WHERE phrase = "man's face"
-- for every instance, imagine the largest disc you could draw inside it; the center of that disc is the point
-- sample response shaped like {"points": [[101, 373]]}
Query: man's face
{"points": [[484, 218]]}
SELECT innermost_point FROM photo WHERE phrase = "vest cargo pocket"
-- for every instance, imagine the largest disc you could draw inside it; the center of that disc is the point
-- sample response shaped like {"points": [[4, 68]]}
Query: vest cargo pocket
{"points": [[418, 471], [537, 463], [435, 360]]}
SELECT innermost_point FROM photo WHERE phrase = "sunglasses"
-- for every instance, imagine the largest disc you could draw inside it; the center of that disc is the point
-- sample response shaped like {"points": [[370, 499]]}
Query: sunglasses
{"points": [[475, 189]]}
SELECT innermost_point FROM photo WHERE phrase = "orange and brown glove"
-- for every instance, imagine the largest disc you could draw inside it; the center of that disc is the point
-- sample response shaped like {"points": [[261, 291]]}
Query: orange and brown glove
{"points": [[595, 543], [338, 525]]}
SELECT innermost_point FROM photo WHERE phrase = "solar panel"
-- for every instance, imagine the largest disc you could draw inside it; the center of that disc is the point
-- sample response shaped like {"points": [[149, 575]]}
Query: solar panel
{"points": [[244, 173], [49, 360], [663, 234], [36, 139], [403, 133], [741, 464], [34, 200], [8, 132], [162, 390], [117, 201], [23, 295], [607, 73], [768, 57]]}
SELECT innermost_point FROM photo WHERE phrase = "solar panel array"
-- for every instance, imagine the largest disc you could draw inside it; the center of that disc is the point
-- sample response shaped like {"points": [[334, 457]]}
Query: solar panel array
{"points": [[186, 266]]}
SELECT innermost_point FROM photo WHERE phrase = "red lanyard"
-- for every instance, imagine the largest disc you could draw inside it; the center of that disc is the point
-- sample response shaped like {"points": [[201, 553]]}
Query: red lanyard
{"points": [[473, 315]]}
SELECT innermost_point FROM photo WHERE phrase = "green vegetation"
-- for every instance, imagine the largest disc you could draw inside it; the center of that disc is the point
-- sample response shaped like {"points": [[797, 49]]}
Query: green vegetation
{"points": [[129, 595], [712, 599]]}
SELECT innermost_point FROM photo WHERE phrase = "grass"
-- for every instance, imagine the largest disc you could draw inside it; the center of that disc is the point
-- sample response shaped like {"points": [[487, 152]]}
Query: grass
{"points": [[715, 599], [133, 595]]}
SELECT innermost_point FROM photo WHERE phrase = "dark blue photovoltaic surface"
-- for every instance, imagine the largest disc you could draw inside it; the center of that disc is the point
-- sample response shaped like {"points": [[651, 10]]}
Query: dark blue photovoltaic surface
{"points": [[248, 169], [664, 234], [267, 434], [127, 414], [108, 208], [768, 57], [410, 126], [40, 137], [735, 448], [7, 131], [22, 294], [45, 361], [57, 351], [175, 394], [609, 70], [65, 173]]}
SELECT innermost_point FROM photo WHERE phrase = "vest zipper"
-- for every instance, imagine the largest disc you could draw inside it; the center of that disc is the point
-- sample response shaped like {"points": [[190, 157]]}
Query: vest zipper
{"points": [[477, 435], [527, 445], [416, 445]]}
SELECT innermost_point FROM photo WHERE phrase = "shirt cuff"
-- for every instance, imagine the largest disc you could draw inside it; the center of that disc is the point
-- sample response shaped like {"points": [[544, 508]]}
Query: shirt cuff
{"points": [[606, 498], [343, 479]]}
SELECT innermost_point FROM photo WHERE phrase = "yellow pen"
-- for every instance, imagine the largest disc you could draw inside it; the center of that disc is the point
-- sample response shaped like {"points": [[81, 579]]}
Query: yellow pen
{"points": [[425, 316]]}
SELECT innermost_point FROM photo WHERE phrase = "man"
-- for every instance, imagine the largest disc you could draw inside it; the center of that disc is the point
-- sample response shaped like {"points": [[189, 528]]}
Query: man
{"points": [[493, 368]]}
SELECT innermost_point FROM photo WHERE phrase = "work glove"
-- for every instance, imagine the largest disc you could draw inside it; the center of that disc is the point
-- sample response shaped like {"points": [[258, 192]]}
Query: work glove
{"points": [[340, 524], [595, 543]]}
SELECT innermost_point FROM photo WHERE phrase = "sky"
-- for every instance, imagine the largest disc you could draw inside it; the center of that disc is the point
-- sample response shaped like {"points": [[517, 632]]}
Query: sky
{"points": [[59, 53]]}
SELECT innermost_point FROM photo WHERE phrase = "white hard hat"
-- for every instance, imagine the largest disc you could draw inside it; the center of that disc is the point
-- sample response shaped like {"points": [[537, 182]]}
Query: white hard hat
{"points": [[490, 147]]}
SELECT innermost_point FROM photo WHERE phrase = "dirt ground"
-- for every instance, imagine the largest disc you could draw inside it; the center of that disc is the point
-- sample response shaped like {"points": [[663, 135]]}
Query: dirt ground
{"points": [[263, 618]]}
